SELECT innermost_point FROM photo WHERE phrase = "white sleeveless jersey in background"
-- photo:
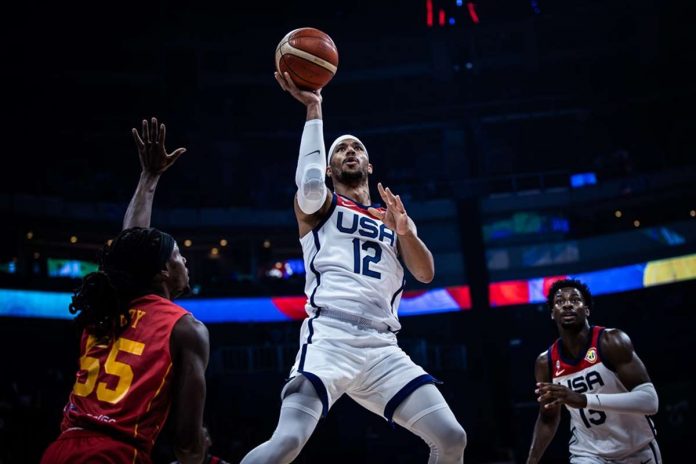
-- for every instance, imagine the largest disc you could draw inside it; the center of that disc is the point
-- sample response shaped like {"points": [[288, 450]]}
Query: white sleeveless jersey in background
{"points": [[608, 434], [352, 265]]}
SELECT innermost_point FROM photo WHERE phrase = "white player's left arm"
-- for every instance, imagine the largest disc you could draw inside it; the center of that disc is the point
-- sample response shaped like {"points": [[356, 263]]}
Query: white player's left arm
{"points": [[416, 255], [641, 400], [620, 356]]}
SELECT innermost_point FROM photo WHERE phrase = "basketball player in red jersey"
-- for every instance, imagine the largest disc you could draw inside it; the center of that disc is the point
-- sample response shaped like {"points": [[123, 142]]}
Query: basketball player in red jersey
{"points": [[600, 379], [140, 353]]}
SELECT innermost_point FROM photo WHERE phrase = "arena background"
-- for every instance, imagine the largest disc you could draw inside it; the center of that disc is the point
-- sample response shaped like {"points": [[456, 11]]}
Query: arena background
{"points": [[528, 139]]}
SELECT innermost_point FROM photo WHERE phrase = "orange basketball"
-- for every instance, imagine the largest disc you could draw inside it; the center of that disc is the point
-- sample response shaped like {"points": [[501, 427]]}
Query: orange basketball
{"points": [[309, 56]]}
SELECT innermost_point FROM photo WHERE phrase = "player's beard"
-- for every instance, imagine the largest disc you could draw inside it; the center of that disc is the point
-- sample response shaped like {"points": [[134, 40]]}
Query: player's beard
{"points": [[352, 178], [573, 327]]}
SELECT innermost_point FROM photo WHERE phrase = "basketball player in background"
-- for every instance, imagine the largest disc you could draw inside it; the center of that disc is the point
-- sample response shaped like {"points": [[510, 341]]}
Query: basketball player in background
{"points": [[353, 287], [139, 351], [597, 375]]}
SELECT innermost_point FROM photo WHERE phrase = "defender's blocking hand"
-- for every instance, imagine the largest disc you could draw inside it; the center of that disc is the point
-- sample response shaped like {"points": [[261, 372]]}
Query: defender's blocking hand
{"points": [[154, 158]]}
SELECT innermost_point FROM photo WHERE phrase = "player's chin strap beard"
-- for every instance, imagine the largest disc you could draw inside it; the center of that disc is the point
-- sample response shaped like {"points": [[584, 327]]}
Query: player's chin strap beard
{"points": [[574, 328], [352, 179]]}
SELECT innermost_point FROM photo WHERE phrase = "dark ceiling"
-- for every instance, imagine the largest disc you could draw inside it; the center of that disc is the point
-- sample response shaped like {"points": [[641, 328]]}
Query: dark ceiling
{"points": [[565, 88]]}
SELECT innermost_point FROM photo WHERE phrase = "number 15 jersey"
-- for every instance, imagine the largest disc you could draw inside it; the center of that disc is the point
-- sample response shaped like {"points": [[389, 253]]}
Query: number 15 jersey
{"points": [[352, 264], [611, 435]]}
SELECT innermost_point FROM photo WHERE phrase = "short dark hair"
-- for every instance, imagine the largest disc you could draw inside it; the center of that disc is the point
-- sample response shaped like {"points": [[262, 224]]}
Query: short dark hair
{"points": [[574, 283]]}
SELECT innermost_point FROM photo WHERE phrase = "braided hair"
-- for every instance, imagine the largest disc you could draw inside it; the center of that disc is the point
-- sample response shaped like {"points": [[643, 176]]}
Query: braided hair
{"points": [[563, 283], [126, 269]]}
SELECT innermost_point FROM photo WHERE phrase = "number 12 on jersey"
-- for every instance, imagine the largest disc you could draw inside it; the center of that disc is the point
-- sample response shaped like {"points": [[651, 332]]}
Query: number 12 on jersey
{"points": [[361, 264]]}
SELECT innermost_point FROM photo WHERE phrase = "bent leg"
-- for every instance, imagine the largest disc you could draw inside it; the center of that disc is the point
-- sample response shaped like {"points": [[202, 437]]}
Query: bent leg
{"points": [[299, 415], [426, 413]]}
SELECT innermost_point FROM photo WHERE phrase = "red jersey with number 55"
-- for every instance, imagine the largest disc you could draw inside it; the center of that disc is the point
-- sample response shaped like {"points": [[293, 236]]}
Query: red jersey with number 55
{"points": [[123, 386]]}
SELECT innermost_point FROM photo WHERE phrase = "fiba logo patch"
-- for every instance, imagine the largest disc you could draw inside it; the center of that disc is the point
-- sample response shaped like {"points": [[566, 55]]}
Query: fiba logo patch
{"points": [[591, 356]]}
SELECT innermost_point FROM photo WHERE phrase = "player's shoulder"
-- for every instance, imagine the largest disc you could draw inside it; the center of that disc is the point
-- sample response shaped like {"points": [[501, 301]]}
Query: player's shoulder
{"points": [[613, 336], [153, 300], [542, 367], [172, 311], [175, 306], [611, 330], [615, 346], [189, 324], [190, 334], [311, 221], [351, 204], [551, 351], [543, 357]]}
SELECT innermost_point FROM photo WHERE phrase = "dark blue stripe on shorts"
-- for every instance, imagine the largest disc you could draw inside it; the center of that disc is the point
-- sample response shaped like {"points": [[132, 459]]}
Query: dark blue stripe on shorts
{"points": [[402, 394], [654, 452], [320, 389], [310, 327]]}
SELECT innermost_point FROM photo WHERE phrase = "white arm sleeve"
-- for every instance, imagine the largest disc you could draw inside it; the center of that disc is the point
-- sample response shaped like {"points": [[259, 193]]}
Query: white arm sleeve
{"points": [[641, 400], [311, 168]]}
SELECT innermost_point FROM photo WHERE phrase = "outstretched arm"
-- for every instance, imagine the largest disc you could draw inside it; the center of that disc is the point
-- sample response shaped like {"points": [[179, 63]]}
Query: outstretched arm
{"points": [[547, 421], [313, 198], [154, 160], [190, 350], [416, 255]]}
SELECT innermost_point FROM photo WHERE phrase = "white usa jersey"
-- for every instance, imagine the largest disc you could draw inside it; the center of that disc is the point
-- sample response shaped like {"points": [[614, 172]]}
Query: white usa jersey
{"points": [[608, 434], [352, 264]]}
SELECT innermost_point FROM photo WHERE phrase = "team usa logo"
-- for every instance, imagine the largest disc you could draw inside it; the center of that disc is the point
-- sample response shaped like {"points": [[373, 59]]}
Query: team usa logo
{"points": [[591, 356]]}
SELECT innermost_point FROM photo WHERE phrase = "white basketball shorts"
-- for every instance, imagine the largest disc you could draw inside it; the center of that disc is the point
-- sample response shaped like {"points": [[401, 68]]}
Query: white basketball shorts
{"points": [[650, 454], [339, 357]]}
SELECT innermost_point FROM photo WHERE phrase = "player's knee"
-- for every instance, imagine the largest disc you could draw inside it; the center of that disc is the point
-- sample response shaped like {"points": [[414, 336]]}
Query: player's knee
{"points": [[289, 444], [453, 440]]}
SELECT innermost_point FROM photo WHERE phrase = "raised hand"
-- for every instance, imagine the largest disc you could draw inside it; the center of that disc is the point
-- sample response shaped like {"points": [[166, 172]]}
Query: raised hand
{"points": [[307, 97], [395, 216], [550, 394], [154, 158]]}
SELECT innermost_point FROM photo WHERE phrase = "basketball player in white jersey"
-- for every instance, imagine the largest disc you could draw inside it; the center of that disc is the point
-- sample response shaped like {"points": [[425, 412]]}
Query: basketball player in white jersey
{"points": [[354, 283], [600, 379]]}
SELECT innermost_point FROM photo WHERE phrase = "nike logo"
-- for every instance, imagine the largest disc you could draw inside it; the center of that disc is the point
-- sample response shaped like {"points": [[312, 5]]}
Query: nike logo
{"points": [[559, 372], [315, 151]]}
